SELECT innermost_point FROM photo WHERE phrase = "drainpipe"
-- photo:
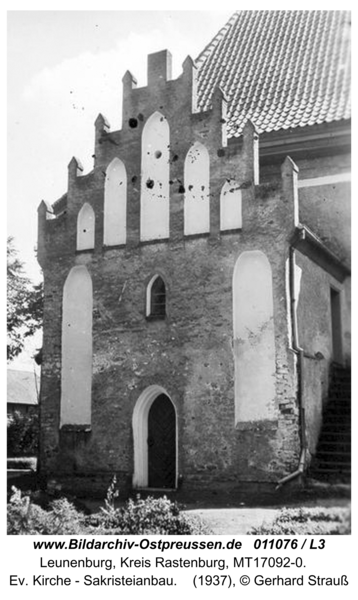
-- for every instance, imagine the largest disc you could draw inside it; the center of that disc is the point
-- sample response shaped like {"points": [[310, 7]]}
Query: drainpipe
{"points": [[300, 368]]}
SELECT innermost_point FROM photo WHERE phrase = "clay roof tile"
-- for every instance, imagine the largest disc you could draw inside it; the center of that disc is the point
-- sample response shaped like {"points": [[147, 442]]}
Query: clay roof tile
{"points": [[283, 68]]}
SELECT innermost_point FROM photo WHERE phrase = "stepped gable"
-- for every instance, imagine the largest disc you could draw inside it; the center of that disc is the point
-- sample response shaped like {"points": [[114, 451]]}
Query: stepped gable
{"points": [[60, 205], [280, 69]]}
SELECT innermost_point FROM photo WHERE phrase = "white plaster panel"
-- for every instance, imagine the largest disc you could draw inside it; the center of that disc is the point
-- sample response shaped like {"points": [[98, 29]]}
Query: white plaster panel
{"points": [[197, 190], [230, 206], [76, 377], [154, 216], [254, 338], [115, 204], [85, 227]]}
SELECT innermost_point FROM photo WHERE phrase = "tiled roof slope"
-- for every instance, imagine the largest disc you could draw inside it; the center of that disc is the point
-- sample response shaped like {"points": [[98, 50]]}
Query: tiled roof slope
{"points": [[280, 69]]}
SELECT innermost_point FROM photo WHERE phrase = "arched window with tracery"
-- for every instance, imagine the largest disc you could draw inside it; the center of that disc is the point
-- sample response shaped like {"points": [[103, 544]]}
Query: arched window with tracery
{"points": [[115, 204], [197, 190], [156, 298], [85, 227], [154, 214]]}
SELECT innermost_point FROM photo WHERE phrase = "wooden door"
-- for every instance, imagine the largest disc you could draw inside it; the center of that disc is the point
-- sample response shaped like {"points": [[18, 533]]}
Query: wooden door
{"points": [[161, 443]]}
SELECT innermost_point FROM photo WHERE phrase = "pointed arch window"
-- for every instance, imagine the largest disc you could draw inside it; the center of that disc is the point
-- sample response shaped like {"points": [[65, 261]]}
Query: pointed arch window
{"points": [[115, 204], [156, 298], [197, 190], [154, 215], [85, 227]]}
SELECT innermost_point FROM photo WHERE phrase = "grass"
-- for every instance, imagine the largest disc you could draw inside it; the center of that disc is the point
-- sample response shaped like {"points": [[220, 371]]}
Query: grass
{"points": [[308, 521]]}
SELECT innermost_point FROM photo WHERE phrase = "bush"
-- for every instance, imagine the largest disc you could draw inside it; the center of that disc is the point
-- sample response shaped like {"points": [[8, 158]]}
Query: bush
{"points": [[144, 516], [138, 517], [22, 434], [307, 521], [26, 518]]}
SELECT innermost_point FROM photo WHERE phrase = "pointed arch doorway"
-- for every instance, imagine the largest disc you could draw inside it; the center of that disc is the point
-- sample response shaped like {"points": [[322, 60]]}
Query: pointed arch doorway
{"points": [[155, 440]]}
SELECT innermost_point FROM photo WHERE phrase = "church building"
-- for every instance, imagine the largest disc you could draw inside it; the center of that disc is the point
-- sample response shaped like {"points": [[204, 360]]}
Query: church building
{"points": [[197, 279]]}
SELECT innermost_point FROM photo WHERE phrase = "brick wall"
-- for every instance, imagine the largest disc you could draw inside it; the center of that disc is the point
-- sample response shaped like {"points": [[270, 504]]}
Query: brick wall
{"points": [[190, 353]]}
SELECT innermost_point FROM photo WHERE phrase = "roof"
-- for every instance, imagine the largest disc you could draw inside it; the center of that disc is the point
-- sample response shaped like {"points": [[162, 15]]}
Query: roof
{"points": [[22, 387], [280, 69]]}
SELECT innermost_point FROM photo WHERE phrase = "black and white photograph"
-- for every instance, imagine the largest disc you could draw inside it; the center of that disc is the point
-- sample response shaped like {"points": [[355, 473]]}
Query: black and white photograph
{"points": [[179, 293]]}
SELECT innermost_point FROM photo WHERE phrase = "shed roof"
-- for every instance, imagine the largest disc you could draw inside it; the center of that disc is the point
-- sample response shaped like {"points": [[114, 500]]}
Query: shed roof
{"points": [[22, 387]]}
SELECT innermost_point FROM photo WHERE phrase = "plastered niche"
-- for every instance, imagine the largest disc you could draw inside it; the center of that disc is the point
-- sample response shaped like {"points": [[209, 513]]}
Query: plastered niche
{"points": [[85, 228], [197, 190], [115, 204], [230, 206], [254, 338], [154, 215], [76, 375]]}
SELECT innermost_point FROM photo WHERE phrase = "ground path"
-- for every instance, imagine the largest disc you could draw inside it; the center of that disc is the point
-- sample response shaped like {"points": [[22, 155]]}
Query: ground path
{"points": [[238, 521]]}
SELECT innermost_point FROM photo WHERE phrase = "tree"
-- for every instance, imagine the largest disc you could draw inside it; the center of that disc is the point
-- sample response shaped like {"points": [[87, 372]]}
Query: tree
{"points": [[24, 303], [22, 434]]}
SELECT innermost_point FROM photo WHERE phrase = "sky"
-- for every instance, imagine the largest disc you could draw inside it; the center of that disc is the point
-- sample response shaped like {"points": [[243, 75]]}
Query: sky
{"points": [[63, 68]]}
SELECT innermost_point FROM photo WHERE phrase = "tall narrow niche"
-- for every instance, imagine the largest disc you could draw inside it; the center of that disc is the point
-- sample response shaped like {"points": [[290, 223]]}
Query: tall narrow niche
{"points": [[197, 190], [85, 227], [254, 338], [230, 206], [76, 375], [154, 215], [115, 204]]}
